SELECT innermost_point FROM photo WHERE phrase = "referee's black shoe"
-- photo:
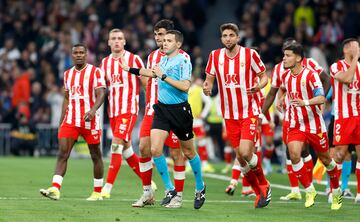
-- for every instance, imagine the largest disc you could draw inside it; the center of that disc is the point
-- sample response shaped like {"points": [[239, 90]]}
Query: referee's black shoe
{"points": [[169, 194], [199, 198]]}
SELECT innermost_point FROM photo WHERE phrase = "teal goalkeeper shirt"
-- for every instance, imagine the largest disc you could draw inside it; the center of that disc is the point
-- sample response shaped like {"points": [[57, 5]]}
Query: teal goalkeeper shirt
{"points": [[177, 68]]}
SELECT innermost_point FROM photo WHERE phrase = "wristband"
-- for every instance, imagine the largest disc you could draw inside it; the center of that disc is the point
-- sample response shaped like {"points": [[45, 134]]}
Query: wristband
{"points": [[306, 102], [134, 71], [261, 116]]}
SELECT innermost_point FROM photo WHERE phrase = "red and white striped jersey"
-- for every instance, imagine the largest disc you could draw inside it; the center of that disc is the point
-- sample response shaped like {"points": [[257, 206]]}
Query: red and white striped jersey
{"points": [[152, 86], [306, 118], [346, 97], [278, 70], [234, 76], [81, 85], [123, 86]]}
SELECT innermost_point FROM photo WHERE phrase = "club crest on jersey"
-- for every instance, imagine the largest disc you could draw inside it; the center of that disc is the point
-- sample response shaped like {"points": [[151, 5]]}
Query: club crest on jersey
{"points": [[124, 120], [253, 120], [76, 90], [337, 138], [242, 64], [303, 83], [231, 80]]}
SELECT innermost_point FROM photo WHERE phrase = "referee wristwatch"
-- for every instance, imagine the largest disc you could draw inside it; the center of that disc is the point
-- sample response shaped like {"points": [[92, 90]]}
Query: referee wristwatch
{"points": [[163, 77]]}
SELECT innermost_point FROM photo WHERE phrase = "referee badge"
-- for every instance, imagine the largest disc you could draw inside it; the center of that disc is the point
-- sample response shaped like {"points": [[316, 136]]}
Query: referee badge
{"points": [[337, 138]]}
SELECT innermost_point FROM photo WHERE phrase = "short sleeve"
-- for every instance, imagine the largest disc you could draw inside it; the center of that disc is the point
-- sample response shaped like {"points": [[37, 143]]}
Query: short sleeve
{"points": [[275, 76], [138, 62], [335, 68], [315, 84], [315, 66], [99, 79], [185, 69], [66, 76], [256, 64], [210, 67]]}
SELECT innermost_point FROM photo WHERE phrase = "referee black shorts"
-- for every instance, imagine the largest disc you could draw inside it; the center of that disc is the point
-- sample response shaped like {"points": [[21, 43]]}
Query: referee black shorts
{"points": [[175, 117]]}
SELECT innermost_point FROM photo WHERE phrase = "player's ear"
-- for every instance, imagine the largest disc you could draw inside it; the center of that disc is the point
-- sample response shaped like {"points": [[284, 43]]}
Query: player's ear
{"points": [[298, 58]]}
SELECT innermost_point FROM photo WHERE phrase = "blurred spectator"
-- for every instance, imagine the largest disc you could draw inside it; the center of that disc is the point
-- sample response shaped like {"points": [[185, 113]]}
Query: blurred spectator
{"points": [[21, 87], [304, 13], [23, 135]]}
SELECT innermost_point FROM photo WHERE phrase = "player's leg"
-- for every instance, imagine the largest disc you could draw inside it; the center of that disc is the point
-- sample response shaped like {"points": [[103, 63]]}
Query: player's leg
{"points": [[294, 182], [128, 153], [296, 140], [235, 175], [67, 138], [201, 143], [179, 170], [308, 161], [268, 133], [320, 144], [157, 139], [98, 170], [345, 174], [145, 164]]}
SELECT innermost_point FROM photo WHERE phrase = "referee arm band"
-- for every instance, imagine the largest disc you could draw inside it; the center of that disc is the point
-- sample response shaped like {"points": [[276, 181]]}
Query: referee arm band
{"points": [[134, 71]]}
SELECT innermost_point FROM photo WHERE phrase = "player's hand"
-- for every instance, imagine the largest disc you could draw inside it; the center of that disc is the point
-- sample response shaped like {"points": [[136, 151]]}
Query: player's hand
{"points": [[156, 69], [124, 65], [253, 89], [297, 102], [89, 115], [272, 125], [280, 105], [207, 87]]}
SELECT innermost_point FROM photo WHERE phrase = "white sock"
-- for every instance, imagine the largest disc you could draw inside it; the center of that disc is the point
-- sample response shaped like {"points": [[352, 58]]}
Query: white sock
{"points": [[107, 188], [147, 189], [295, 190]]}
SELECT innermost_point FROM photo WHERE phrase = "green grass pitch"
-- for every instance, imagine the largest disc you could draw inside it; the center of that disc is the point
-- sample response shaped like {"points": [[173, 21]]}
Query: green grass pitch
{"points": [[21, 179]]}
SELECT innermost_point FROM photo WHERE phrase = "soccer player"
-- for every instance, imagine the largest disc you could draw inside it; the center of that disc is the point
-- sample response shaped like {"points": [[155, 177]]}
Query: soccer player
{"points": [[123, 107], [306, 124], [84, 93], [172, 141], [345, 167], [345, 77], [240, 75], [283, 103], [173, 112]]}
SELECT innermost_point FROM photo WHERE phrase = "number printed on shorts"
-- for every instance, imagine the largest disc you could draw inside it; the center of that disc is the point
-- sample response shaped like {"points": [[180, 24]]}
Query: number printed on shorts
{"points": [[337, 129]]}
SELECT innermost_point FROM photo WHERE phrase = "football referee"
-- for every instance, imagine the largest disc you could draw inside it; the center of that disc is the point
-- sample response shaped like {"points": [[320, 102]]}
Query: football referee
{"points": [[173, 112]]}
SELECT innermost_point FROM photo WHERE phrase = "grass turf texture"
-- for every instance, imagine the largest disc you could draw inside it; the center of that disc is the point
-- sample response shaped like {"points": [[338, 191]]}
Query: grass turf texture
{"points": [[20, 200]]}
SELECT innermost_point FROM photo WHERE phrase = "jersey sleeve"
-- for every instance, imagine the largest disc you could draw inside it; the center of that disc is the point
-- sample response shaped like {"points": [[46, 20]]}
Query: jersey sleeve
{"points": [[256, 64], [315, 66], [138, 62], [185, 69], [210, 67], [275, 77], [316, 85], [66, 75], [335, 68], [99, 79]]}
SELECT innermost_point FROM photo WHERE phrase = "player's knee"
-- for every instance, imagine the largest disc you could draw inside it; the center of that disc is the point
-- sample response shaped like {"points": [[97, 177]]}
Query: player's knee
{"points": [[189, 153], [155, 152], [63, 154], [144, 149]]}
